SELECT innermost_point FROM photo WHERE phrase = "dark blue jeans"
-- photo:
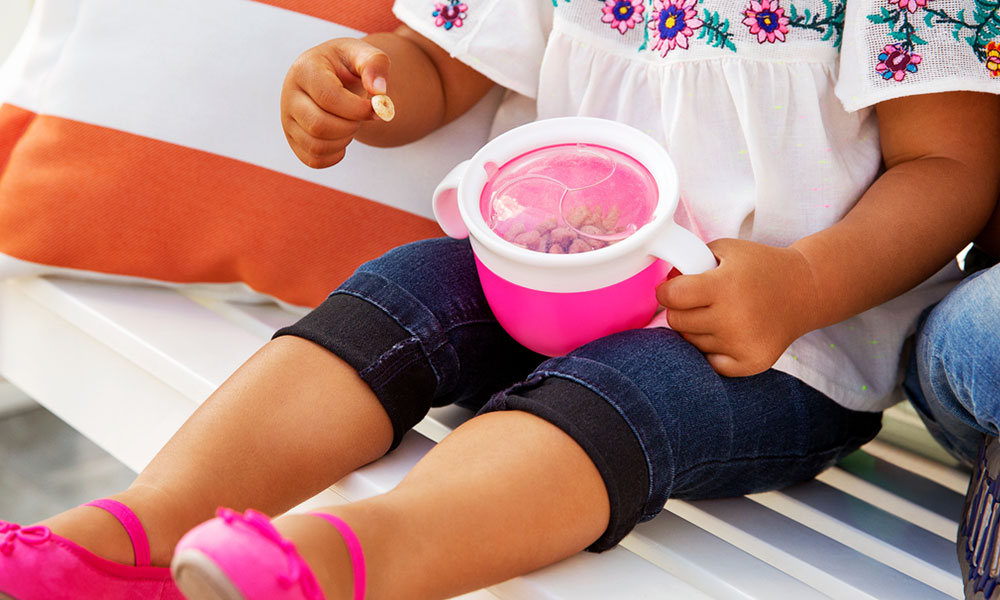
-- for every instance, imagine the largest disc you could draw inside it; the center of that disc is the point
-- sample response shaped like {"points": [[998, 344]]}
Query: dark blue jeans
{"points": [[645, 405]]}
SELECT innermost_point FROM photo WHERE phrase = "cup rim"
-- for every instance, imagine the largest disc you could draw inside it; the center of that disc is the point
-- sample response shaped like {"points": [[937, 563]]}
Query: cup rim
{"points": [[568, 130]]}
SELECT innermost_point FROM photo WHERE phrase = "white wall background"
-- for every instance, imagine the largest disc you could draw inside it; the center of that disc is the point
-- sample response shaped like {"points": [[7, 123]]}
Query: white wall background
{"points": [[13, 16]]}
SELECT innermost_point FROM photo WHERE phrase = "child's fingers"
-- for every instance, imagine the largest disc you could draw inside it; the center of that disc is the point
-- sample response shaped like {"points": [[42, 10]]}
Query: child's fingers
{"points": [[727, 366], [314, 152], [684, 292], [327, 91], [317, 122], [692, 320], [369, 63], [705, 343]]}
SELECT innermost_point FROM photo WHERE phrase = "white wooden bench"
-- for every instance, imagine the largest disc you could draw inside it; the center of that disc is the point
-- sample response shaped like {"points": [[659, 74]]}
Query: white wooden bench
{"points": [[126, 365]]}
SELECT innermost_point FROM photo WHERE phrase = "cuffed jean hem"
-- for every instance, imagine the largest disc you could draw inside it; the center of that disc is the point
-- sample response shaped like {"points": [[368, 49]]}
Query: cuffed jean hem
{"points": [[386, 356], [601, 431]]}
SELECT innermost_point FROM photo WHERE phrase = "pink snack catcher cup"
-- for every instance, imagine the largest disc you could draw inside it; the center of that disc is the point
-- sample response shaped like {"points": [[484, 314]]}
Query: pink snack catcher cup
{"points": [[571, 223]]}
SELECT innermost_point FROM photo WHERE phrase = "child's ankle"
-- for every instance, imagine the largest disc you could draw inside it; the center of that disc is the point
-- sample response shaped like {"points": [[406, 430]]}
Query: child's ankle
{"points": [[323, 550], [164, 520], [95, 530]]}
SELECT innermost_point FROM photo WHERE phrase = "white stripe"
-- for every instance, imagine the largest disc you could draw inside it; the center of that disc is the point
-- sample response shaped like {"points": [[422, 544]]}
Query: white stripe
{"points": [[207, 74], [23, 74]]}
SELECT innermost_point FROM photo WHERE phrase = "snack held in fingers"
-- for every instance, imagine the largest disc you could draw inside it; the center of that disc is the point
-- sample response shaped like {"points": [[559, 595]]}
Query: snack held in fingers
{"points": [[383, 107]]}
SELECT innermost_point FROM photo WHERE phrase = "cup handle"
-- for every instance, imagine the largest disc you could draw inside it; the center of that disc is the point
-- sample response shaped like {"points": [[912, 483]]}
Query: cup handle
{"points": [[687, 252], [445, 203], [684, 250]]}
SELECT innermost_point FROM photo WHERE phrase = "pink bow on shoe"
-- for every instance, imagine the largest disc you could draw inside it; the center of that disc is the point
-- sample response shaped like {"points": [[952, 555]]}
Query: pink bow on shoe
{"points": [[245, 552], [12, 532], [298, 570]]}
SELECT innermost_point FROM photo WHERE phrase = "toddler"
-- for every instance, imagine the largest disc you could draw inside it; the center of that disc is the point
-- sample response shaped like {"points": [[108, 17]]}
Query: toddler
{"points": [[833, 191]]}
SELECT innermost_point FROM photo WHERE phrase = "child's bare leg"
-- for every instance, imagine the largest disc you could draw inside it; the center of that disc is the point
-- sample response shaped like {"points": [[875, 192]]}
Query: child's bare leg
{"points": [[503, 495], [288, 423]]}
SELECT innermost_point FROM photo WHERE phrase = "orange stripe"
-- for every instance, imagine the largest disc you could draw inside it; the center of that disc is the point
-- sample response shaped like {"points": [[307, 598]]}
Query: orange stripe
{"points": [[368, 16], [13, 121], [86, 197]]}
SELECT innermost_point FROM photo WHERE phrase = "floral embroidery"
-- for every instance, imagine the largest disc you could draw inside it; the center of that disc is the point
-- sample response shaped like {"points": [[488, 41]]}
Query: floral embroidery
{"points": [[977, 31], [623, 14], [910, 5], [673, 22], [993, 59], [450, 14], [766, 20], [716, 31], [896, 61], [831, 24]]}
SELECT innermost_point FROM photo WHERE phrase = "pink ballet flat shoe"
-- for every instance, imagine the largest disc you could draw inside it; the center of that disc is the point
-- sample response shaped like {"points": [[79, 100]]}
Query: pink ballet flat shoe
{"points": [[36, 564], [243, 557]]}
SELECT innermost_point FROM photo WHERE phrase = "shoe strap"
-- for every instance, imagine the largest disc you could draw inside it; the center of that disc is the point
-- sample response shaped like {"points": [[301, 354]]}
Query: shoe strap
{"points": [[133, 526], [353, 549]]}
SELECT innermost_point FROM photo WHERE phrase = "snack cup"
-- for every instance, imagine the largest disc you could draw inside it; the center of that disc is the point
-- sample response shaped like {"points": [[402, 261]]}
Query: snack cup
{"points": [[553, 303]]}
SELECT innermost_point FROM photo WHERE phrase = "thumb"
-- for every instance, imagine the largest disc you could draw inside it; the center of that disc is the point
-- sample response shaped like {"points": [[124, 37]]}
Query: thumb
{"points": [[370, 64]]}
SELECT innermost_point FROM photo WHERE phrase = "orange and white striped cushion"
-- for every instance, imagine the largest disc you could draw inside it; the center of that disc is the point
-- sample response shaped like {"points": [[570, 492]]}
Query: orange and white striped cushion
{"points": [[142, 139]]}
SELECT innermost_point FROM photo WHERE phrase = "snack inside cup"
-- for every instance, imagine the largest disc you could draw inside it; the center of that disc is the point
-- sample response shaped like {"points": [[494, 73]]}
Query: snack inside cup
{"points": [[569, 198]]}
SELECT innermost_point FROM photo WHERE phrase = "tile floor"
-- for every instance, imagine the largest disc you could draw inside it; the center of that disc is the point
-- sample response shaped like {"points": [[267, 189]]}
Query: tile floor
{"points": [[47, 467]]}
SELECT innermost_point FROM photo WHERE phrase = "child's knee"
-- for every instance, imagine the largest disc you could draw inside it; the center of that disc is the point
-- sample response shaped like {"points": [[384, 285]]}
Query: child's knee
{"points": [[603, 433]]}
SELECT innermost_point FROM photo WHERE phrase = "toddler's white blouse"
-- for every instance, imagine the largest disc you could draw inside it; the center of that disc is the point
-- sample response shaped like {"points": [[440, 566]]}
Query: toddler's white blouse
{"points": [[765, 106]]}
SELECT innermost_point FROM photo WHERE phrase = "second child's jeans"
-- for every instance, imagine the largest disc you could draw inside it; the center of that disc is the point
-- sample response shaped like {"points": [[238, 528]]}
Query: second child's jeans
{"points": [[953, 377]]}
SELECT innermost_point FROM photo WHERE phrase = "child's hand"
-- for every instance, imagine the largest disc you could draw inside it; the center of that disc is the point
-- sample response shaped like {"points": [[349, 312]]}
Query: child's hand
{"points": [[747, 311], [326, 98]]}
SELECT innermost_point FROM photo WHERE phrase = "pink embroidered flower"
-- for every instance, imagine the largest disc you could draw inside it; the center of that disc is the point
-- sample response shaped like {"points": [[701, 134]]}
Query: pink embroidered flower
{"points": [[623, 14], [673, 22], [910, 5], [766, 20], [895, 62], [449, 14], [993, 59]]}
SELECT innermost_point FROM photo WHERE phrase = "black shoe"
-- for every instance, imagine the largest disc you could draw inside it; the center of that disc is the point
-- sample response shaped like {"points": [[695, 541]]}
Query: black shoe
{"points": [[978, 539]]}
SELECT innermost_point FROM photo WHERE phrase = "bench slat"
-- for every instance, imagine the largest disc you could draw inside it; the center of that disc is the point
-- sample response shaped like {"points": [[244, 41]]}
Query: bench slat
{"points": [[714, 565], [926, 493], [949, 477], [869, 530], [815, 559]]}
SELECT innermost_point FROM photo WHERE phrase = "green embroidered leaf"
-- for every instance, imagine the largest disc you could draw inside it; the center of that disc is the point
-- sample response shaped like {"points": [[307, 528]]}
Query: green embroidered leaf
{"points": [[928, 15], [793, 13], [916, 39], [897, 35], [884, 16]]}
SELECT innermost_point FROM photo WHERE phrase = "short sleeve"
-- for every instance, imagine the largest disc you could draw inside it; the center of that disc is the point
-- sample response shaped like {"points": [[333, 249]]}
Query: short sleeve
{"points": [[502, 39], [896, 48]]}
